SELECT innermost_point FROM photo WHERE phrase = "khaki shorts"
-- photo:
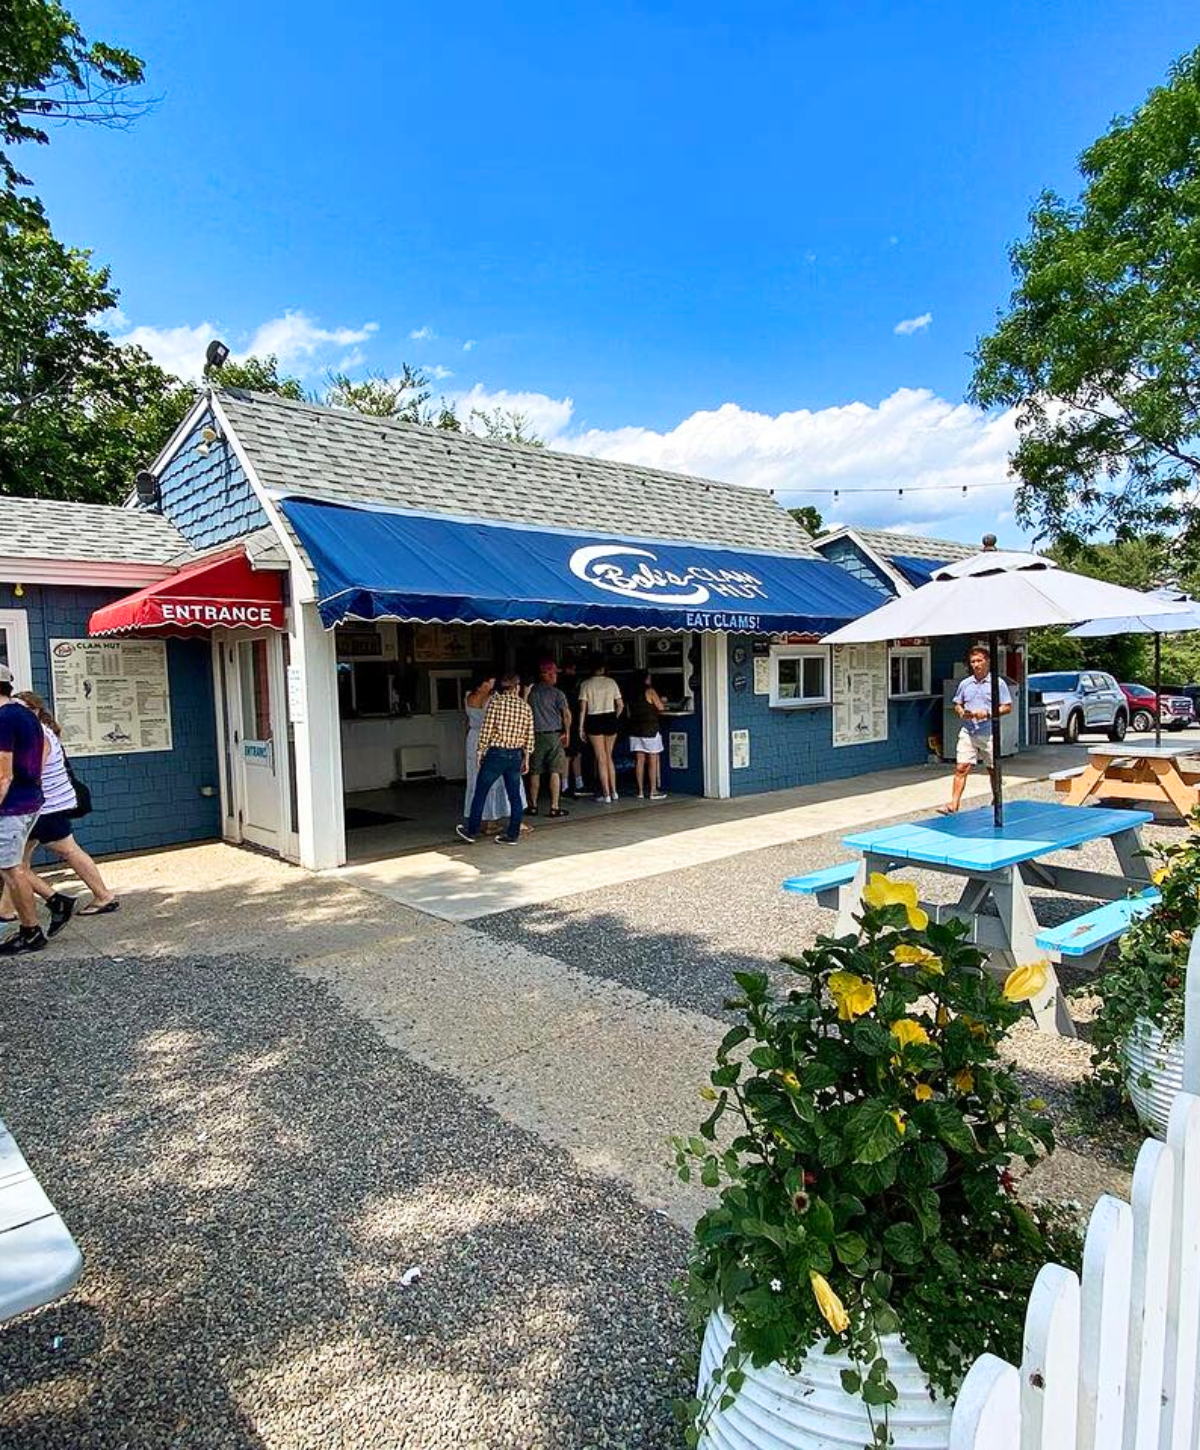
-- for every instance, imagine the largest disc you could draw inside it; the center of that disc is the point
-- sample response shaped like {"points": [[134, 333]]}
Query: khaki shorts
{"points": [[974, 747], [549, 757]]}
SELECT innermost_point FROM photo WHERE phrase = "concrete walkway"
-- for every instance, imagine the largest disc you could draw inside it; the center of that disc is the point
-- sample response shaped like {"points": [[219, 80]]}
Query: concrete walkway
{"points": [[462, 883]]}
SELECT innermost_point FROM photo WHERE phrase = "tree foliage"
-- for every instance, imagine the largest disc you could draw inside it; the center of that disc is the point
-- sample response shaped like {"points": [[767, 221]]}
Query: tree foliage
{"points": [[51, 73], [808, 517], [257, 375], [1099, 351]]}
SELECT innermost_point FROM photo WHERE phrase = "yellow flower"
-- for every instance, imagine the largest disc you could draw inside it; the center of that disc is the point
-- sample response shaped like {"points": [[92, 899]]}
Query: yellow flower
{"points": [[900, 1121], [964, 1081], [789, 1079], [919, 957], [1161, 875], [906, 1032], [833, 1311], [976, 1029], [1025, 982], [922, 1092], [943, 1017], [881, 891], [852, 993]]}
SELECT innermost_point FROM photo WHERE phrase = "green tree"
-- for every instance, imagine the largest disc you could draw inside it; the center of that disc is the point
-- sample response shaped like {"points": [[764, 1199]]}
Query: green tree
{"points": [[78, 414], [256, 375], [808, 518], [406, 397], [505, 425], [51, 73], [1099, 351]]}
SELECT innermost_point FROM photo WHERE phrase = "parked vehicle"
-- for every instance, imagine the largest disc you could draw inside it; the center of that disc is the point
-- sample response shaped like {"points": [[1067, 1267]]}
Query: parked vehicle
{"points": [[1079, 700], [1176, 711]]}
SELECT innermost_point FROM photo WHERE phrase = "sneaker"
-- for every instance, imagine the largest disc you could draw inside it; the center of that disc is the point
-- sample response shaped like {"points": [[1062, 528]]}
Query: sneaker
{"points": [[28, 939], [61, 909], [658, 795], [600, 799], [579, 784], [464, 835], [506, 840]]}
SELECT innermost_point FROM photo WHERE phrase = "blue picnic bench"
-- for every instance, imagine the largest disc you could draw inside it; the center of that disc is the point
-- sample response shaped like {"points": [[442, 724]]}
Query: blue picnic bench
{"points": [[997, 866], [39, 1260]]}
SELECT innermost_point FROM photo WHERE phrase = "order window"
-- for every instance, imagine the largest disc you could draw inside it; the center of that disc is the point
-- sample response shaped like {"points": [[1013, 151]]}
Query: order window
{"points": [[909, 672], [799, 677]]}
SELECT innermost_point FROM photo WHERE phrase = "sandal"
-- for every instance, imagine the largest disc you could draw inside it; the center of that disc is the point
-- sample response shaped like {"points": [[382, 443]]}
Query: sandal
{"points": [[558, 811], [91, 909], [946, 811]]}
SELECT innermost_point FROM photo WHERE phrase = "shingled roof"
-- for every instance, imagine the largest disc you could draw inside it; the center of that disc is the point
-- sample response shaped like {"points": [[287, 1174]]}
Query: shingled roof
{"points": [[892, 544], [33, 528], [327, 453]]}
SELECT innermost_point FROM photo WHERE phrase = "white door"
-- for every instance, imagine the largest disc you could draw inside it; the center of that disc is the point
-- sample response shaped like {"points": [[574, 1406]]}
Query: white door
{"points": [[14, 646], [259, 740]]}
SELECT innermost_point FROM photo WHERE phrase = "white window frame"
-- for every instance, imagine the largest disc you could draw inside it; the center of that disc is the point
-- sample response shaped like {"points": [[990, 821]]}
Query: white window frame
{"points": [[916, 651], [799, 652], [16, 624], [464, 678]]}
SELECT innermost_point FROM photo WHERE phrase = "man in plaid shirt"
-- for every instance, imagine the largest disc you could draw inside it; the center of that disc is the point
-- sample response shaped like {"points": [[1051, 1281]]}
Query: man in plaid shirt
{"points": [[505, 745]]}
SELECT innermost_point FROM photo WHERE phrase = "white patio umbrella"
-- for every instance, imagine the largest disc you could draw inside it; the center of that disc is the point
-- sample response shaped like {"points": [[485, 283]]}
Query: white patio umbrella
{"points": [[1149, 621], [994, 592]]}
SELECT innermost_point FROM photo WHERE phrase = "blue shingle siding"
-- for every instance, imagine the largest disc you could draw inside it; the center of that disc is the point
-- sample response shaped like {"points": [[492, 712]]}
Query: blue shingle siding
{"points": [[209, 500], [847, 555], [795, 747], [142, 800]]}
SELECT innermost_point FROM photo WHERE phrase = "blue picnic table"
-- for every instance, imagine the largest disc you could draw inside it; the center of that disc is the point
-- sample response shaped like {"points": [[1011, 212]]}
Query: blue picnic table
{"points": [[998, 865]]}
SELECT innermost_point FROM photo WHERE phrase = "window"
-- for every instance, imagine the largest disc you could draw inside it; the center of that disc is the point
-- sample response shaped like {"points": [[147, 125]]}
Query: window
{"points": [[446, 691], [909, 672], [799, 676]]}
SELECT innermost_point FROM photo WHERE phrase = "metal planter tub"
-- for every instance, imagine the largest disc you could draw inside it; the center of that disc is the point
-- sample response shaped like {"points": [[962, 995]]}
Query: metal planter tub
{"points": [[778, 1410], [1153, 1074]]}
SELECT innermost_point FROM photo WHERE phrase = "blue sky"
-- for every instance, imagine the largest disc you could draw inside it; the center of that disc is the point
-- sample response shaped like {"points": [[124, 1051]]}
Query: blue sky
{"points": [[682, 234]]}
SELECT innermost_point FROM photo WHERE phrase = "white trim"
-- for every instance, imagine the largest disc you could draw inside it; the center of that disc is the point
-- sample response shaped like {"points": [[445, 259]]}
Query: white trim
{"points": [[714, 714], [83, 573], [303, 583], [909, 651], [175, 442], [848, 532], [319, 788], [800, 652], [16, 622], [226, 789]]}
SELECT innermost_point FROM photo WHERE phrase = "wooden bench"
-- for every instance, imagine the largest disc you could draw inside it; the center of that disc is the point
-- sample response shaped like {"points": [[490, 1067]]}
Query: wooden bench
{"points": [[39, 1260], [1086, 934]]}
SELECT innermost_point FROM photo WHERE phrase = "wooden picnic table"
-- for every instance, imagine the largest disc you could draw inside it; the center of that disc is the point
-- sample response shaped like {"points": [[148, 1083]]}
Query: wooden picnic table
{"points": [[997, 867], [1156, 774]]}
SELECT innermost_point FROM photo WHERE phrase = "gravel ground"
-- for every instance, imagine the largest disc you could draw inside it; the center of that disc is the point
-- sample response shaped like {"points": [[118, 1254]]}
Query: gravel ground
{"points": [[249, 1171], [680, 936]]}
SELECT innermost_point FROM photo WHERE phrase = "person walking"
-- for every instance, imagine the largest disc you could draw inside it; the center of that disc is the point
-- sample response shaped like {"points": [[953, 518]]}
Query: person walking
{"points": [[505, 746], [52, 829], [552, 731], [973, 706], [600, 707], [22, 751], [495, 807], [646, 710]]}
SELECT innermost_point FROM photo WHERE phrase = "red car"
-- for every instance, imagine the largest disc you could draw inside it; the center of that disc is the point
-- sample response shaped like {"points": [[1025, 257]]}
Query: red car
{"points": [[1177, 711]]}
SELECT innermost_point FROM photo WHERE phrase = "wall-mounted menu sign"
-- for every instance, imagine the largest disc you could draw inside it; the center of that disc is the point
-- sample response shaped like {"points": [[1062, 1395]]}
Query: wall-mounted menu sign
{"points": [[860, 693], [439, 643], [111, 696]]}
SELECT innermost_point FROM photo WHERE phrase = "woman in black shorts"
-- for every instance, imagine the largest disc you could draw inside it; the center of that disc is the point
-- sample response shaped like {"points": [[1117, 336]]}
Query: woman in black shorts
{"points": [[600, 707]]}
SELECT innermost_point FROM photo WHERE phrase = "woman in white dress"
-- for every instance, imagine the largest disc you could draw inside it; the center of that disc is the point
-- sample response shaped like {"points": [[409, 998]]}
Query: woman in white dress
{"points": [[495, 808]]}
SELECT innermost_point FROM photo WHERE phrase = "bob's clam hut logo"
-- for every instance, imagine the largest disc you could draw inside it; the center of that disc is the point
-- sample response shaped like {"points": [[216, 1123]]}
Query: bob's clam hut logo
{"points": [[637, 574]]}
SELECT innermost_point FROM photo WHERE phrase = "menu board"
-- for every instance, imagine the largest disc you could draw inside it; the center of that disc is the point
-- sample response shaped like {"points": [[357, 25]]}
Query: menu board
{"points": [[860, 693], [442, 643], [111, 696]]}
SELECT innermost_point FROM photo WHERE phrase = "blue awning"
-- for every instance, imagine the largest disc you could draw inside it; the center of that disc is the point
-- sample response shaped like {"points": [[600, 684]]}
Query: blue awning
{"points": [[376, 564], [916, 571]]}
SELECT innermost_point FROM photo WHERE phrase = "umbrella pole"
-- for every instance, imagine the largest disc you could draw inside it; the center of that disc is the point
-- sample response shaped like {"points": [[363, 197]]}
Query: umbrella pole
{"points": [[997, 783], [1157, 689]]}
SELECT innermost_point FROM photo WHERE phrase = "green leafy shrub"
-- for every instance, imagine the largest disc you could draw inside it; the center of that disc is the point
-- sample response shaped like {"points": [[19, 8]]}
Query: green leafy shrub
{"points": [[866, 1188], [1146, 980]]}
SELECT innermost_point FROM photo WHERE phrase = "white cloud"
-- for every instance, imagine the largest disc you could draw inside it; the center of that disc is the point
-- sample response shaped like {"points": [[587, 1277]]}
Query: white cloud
{"points": [[909, 325], [180, 350], [548, 417], [912, 440], [438, 373], [422, 334], [470, 344], [294, 338]]}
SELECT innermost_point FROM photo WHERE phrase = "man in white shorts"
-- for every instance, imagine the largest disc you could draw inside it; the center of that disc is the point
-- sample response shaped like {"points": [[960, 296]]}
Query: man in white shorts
{"points": [[973, 706], [22, 751]]}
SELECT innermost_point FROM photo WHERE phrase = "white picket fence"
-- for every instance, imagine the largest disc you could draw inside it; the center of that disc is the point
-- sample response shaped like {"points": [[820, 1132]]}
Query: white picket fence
{"points": [[1112, 1362]]}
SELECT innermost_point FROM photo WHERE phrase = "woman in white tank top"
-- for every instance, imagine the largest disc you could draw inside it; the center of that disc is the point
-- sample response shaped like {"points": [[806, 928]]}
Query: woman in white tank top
{"points": [[52, 829]]}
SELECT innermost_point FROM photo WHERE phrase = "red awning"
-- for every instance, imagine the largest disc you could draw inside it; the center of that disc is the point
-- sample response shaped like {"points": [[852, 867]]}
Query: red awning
{"points": [[210, 594]]}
